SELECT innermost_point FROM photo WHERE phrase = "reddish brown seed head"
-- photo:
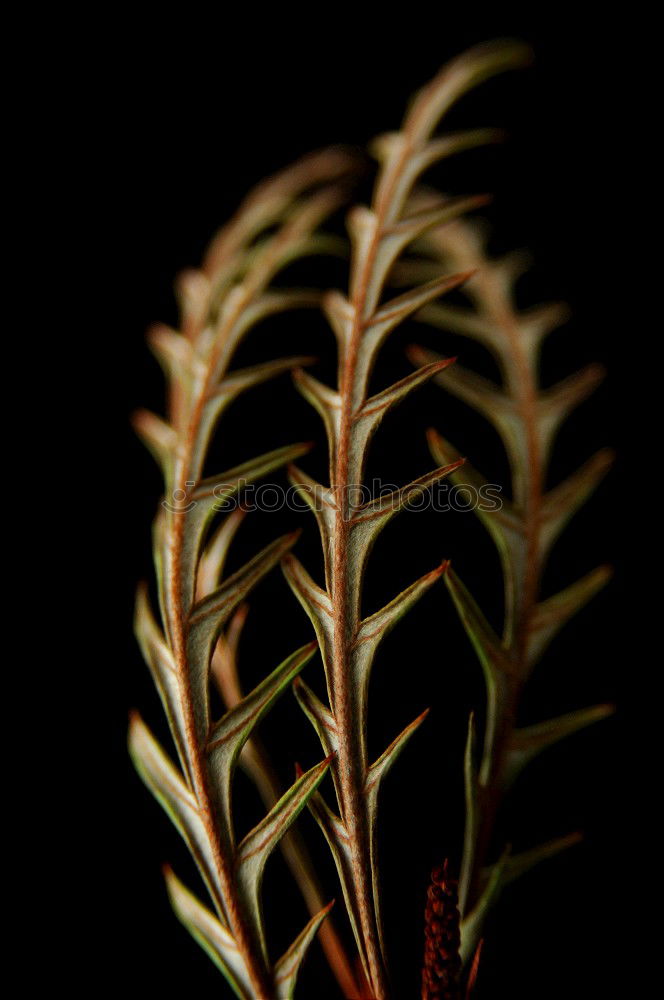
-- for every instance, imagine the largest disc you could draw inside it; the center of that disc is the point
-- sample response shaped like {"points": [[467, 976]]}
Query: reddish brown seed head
{"points": [[441, 973]]}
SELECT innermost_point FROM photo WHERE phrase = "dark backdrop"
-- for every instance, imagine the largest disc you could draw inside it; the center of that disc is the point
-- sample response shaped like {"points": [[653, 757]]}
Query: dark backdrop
{"points": [[176, 123]]}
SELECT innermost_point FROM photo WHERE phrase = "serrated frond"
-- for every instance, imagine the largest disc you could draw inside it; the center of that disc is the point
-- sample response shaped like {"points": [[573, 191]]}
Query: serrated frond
{"points": [[523, 529], [218, 307], [361, 320]]}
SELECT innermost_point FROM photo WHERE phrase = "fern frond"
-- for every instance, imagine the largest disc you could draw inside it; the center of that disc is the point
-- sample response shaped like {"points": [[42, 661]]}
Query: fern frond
{"points": [[256, 762], [524, 530], [361, 321], [219, 305]]}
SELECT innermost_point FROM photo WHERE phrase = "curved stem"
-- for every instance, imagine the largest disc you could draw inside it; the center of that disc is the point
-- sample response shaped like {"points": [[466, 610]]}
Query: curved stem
{"points": [[177, 619]]}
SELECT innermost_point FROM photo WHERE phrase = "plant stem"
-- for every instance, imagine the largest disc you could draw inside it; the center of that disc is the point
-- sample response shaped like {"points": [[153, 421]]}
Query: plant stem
{"points": [[489, 291], [256, 762]]}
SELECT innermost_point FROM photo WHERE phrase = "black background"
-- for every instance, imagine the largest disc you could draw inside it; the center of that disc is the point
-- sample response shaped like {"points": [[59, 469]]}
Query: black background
{"points": [[177, 123]]}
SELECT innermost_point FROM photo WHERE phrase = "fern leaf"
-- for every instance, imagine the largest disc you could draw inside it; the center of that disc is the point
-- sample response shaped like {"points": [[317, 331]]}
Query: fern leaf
{"points": [[524, 530], [218, 306], [361, 321]]}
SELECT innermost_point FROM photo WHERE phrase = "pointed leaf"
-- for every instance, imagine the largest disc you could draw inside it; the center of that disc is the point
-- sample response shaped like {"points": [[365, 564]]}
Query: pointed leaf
{"points": [[508, 868], [399, 235], [457, 78], [374, 628], [471, 824], [456, 319], [386, 319], [202, 501], [215, 490], [556, 403], [159, 437], [389, 148], [288, 966], [473, 923], [209, 616], [159, 659], [485, 396], [372, 786], [528, 742], [234, 384], [273, 197], [322, 502], [326, 402], [368, 520], [315, 601], [367, 419], [362, 224], [430, 105], [551, 615], [256, 847], [229, 735], [340, 314], [173, 351], [213, 559], [246, 305], [382, 765], [319, 715], [497, 514], [487, 645], [169, 789], [214, 939], [338, 841], [500, 673], [385, 400], [562, 502], [518, 864], [244, 378]]}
